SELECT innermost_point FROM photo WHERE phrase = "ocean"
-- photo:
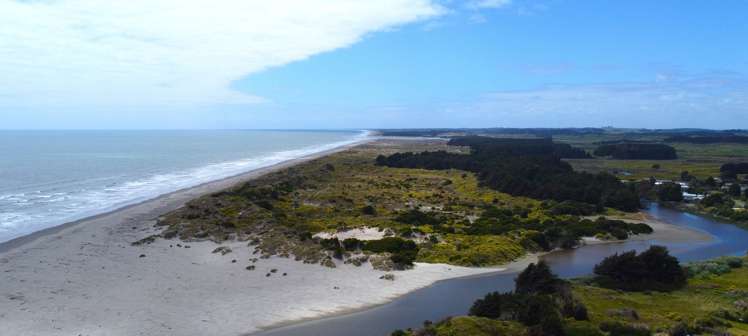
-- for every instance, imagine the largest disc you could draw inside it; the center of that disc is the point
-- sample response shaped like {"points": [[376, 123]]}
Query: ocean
{"points": [[48, 178]]}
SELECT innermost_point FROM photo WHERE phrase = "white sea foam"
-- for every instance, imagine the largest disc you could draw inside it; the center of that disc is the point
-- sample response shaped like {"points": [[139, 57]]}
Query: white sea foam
{"points": [[22, 213]]}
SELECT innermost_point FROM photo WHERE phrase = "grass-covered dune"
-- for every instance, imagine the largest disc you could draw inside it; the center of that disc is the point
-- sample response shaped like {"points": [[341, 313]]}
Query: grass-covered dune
{"points": [[308, 211]]}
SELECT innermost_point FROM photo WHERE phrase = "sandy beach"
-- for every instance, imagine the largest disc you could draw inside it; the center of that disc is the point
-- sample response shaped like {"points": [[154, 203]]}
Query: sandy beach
{"points": [[85, 278]]}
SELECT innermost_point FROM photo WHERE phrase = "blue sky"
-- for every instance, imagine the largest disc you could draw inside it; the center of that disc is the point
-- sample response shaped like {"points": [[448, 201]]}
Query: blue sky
{"points": [[395, 63]]}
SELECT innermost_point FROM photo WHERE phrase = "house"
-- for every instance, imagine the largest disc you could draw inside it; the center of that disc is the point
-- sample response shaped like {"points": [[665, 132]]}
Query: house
{"points": [[689, 197], [661, 182]]}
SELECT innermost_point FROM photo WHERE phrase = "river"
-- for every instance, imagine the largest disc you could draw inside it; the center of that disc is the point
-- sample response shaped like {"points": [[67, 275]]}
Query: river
{"points": [[455, 296]]}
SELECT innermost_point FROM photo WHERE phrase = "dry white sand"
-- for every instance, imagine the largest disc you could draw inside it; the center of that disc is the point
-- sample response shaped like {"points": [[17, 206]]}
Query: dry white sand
{"points": [[363, 233], [90, 282], [664, 232], [85, 278]]}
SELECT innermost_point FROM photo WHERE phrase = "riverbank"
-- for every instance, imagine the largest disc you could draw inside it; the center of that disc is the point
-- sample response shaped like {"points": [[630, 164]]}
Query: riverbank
{"points": [[86, 278], [663, 232], [454, 297], [698, 211]]}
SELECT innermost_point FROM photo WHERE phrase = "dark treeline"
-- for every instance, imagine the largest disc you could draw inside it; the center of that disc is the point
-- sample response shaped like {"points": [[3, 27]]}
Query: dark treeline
{"points": [[621, 141], [524, 167], [684, 135], [549, 234], [735, 168], [538, 132], [488, 146], [708, 139], [637, 151]]}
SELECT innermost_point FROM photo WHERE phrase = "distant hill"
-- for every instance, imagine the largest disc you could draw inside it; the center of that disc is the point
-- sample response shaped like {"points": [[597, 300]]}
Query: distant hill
{"points": [[670, 135]]}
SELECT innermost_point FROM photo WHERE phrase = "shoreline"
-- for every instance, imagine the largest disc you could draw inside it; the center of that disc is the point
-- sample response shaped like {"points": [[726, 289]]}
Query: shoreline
{"points": [[511, 267], [193, 191], [84, 277], [663, 232]]}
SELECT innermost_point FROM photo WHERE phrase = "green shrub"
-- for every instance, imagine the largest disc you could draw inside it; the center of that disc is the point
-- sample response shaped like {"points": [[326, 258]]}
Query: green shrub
{"points": [[716, 199], [352, 244], [496, 305], [389, 244], [670, 192], [538, 279], [333, 244], [579, 329], [417, 217], [574, 208], [679, 329], [653, 269], [580, 312], [709, 268], [404, 252], [369, 210], [640, 228], [541, 314], [615, 328]]}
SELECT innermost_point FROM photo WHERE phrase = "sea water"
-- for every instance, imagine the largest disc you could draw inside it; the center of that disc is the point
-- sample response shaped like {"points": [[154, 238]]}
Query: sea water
{"points": [[48, 178]]}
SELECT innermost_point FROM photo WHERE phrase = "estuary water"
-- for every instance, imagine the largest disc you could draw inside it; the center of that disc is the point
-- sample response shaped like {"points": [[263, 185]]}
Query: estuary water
{"points": [[455, 296], [48, 178]]}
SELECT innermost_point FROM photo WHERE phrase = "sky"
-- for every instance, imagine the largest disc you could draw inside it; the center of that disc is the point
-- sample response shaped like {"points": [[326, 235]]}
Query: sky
{"points": [[320, 64]]}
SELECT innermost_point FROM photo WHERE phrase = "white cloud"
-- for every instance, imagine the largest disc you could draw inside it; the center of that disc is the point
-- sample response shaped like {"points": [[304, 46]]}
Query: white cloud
{"points": [[713, 100], [489, 3], [172, 52]]}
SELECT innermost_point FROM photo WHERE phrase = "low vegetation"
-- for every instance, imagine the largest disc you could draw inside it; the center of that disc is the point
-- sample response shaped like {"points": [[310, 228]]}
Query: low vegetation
{"points": [[427, 215], [711, 301]]}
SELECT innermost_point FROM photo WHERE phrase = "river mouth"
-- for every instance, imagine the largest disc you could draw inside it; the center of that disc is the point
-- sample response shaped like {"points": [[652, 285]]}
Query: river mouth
{"points": [[454, 296]]}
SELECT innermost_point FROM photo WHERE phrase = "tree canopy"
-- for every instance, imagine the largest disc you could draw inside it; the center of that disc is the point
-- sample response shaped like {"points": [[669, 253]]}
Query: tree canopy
{"points": [[653, 269], [524, 167], [637, 151]]}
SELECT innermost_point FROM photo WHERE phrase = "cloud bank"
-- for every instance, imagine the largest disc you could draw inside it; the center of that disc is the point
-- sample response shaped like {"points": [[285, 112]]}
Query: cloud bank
{"points": [[716, 100], [172, 52], [488, 3]]}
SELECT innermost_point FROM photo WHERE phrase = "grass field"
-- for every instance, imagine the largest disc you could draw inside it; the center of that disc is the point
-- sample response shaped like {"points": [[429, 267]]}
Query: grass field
{"points": [[702, 300], [642, 169], [700, 160]]}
